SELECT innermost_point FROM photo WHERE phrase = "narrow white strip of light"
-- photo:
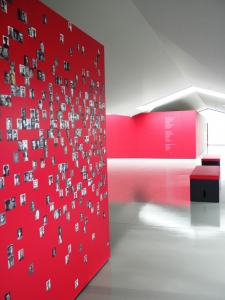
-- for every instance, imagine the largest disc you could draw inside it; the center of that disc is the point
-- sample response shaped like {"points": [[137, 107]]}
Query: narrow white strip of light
{"points": [[150, 106]]}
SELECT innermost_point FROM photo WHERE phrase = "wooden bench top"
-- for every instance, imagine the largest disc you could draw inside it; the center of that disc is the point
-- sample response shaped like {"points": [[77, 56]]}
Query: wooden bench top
{"points": [[210, 157], [206, 173]]}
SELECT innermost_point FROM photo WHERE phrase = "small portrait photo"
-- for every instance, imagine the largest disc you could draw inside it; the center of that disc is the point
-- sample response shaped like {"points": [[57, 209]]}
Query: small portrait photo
{"points": [[34, 63], [44, 114], [93, 236], [22, 16], [70, 51], [7, 77], [48, 199], [31, 269], [45, 220], [22, 70], [5, 42], [69, 26], [26, 61], [15, 157], [69, 248], [2, 219], [60, 234], [27, 81], [19, 233], [50, 179], [73, 204], [22, 92], [22, 199], [10, 32], [14, 135], [41, 231], [52, 207], [7, 296], [37, 214], [54, 252], [48, 285], [4, 6], [8, 123], [16, 179], [26, 177], [20, 37], [56, 62], [61, 38], [40, 104], [5, 170], [67, 259], [85, 258], [35, 184], [25, 156], [45, 19], [20, 254], [32, 206], [10, 256], [10, 204], [34, 163], [76, 283], [12, 89], [31, 93]]}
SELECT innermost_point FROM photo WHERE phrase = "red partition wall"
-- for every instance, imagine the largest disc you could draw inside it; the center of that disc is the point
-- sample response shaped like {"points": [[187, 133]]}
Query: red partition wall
{"points": [[54, 226], [175, 134]]}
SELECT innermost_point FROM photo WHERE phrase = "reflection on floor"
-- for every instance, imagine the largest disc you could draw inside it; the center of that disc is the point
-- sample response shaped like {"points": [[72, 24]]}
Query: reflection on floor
{"points": [[162, 246]]}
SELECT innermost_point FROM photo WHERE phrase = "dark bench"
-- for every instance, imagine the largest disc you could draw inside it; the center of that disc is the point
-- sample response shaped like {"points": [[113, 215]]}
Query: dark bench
{"points": [[211, 160], [204, 184]]}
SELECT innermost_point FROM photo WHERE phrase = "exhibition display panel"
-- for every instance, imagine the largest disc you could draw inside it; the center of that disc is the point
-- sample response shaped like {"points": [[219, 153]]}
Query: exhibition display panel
{"points": [[54, 222], [170, 134]]}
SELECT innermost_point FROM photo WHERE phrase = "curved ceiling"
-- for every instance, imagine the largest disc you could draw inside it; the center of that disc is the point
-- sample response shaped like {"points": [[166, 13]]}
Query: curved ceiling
{"points": [[154, 48]]}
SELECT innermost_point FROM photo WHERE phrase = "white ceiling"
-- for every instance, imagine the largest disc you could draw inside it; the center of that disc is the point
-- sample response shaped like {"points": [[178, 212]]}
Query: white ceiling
{"points": [[154, 48]]}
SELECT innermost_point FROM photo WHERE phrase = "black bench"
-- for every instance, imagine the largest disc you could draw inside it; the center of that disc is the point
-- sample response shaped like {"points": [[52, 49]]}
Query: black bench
{"points": [[204, 184]]}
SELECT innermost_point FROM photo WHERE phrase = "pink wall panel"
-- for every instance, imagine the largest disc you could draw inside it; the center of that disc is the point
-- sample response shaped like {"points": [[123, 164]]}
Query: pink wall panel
{"points": [[71, 136], [155, 135]]}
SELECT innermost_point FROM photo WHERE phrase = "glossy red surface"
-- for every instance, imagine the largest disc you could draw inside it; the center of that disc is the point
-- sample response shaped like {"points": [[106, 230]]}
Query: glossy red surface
{"points": [[161, 181]]}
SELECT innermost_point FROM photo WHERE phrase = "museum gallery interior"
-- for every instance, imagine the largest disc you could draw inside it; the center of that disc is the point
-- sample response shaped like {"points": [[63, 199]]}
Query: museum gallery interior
{"points": [[112, 148]]}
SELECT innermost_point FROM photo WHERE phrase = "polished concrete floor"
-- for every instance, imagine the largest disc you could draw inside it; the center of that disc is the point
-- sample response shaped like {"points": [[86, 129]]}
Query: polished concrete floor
{"points": [[162, 246]]}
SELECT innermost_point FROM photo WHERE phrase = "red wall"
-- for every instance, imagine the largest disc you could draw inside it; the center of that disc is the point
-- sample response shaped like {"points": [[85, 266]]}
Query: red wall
{"points": [[176, 134], [91, 241]]}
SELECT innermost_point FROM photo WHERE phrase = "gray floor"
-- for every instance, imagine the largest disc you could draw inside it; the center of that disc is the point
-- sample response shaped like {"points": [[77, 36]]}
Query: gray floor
{"points": [[164, 251]]}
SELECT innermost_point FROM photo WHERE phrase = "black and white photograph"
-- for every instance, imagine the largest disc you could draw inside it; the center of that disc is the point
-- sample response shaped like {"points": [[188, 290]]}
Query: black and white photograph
{"points": [[22, 199], [34, 164], [35, 184], [31, 93], [5, 100], [20, 254], [76, 284], [69, 26], [50, 179], [45, 220], [31, 31], [4, 6], [61, 38], [70, 51], [48, 285], [7, 296], [22, 16], [26, 61], [19, 233], [7, 77], [15, 157], [10, 253], [10, 204], [60, 234], [44, 114], [42, 232], [16, 179], [32, 206], [37, 214], [66, 259], [25, 156], [31, 269], [45, 19], [34, 63], [40, 75], [2, 219], [54, 252], [5, 170]]}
